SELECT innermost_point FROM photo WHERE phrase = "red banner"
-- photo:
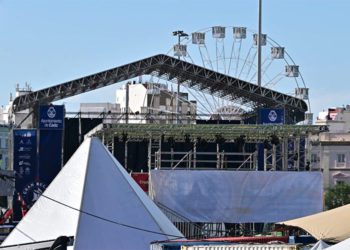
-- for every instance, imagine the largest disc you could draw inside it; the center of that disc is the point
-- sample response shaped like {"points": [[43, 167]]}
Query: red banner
{"points": [[141, 179]]}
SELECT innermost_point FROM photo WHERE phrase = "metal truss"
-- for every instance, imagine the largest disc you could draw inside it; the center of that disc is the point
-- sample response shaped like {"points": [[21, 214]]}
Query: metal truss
{"points": [[210, 133], [175, 70]]}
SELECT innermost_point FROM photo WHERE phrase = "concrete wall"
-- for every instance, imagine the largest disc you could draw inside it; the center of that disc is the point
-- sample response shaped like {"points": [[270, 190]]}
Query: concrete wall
{"points": [[332, 155]]}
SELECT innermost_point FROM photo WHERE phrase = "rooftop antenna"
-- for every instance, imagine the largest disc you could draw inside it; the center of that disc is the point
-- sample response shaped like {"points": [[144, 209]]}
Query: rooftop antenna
{"points": [[259, 44]]}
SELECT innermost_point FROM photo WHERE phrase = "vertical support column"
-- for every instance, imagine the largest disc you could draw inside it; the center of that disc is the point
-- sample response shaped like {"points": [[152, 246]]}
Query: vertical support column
{"points": [[259, 44], [80, 130], [62, 137], [222, 159], [149, 155], [255, 158], [265, 159], [172, 157], [250, 157], [149, 163], [217, 155], [126, 154], [274, 157], [297, 153], [127, 103], [160, 153], [178, 87], [10, 159], [195, 154], [178, 103], [284, 149], [308, 148], [113, 145]]}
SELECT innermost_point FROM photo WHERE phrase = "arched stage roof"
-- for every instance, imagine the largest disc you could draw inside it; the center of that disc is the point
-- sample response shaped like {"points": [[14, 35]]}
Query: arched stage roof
{"points": [[170, 68]]}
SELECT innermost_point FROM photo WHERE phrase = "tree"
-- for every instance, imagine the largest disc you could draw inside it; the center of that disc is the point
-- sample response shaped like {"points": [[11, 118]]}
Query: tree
{"points": [[337, 196]]}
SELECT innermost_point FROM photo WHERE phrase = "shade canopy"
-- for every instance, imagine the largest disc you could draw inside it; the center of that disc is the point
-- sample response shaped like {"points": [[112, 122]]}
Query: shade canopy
{"points": [[330, 226]]}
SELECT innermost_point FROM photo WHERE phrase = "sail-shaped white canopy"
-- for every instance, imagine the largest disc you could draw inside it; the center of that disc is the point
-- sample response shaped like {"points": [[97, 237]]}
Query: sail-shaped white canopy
{"points": [[95, 200]]}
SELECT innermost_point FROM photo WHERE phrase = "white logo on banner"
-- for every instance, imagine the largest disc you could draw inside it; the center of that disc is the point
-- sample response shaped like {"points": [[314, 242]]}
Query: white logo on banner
{"points": [[51, 112], [272, 116], [32, 192]]}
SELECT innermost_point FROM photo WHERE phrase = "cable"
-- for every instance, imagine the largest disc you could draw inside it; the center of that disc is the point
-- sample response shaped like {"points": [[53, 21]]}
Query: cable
{"points": [[8, 177], [111, 221]]}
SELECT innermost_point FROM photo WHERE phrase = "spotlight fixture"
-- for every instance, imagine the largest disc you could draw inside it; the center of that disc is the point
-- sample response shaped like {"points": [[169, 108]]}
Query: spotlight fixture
{"points": [[275, 140], [219, 139], [187, 138]]}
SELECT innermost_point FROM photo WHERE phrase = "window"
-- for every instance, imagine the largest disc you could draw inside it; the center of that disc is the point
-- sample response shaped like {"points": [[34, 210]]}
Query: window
{"points": [[314, 158], [341, 158], [339, 182]]}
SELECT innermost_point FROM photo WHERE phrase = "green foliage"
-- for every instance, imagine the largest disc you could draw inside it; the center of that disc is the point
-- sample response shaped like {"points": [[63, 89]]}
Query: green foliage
{"points": [[337, 196]]}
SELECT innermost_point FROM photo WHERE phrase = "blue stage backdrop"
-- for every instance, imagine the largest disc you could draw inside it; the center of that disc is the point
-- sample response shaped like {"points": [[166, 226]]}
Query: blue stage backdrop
{"points": [[268, 116], [271, 116]]}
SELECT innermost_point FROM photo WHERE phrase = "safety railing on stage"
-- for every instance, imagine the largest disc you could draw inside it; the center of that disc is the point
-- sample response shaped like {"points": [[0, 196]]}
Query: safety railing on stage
{"points": [[203, 160], [192, 230]]}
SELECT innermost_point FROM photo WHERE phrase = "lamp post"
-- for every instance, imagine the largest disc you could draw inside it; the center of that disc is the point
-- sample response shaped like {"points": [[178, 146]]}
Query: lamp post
{"points": [[259, 44], [179, 34]]}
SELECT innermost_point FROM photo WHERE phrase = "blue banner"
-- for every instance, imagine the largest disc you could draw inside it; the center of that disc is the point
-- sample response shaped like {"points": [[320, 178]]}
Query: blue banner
{"points": [[25, 167], [24, 156], [50, 158], [51, 117], [271, 116]]}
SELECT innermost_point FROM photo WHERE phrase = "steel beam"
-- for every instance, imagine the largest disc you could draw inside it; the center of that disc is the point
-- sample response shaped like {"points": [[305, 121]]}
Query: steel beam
{"points": [[171, 69]]}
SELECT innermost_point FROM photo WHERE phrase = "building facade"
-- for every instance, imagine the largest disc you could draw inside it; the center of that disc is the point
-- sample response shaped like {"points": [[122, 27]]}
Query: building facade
{"points": [[154, 103], [330, 151], [4, 147]]}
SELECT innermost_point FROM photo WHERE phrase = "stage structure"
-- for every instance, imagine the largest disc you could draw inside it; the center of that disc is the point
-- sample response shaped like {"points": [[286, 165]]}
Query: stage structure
{"points": [[207, 81], [233, 146]]}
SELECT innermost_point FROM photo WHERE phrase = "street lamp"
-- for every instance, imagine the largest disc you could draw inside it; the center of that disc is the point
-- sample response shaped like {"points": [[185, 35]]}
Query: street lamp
{"points": [[179, 34]]}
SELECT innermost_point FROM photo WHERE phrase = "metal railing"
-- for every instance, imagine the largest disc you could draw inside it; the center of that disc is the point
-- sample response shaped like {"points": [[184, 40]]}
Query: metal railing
{"points": [[192, 230], [204, 160]]}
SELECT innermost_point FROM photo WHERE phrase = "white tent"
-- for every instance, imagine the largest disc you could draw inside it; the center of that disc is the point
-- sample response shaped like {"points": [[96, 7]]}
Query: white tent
{"points": [[95, 200], [345, 244], [320, 245]]}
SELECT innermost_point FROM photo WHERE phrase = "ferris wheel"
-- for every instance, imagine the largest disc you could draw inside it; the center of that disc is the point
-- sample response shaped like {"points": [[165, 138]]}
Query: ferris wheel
{"points": [[233, 51]]}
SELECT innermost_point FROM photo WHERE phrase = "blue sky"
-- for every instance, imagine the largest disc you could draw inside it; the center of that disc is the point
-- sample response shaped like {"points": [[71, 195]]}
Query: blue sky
{"points": [[49, 42]]}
